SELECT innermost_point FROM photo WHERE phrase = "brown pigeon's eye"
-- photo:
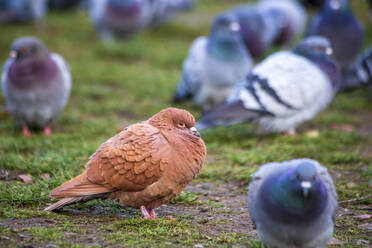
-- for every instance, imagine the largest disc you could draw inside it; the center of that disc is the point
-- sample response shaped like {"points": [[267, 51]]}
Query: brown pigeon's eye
{"points": [[320, 49], [314, 177], [181, 125], [297, 176]]}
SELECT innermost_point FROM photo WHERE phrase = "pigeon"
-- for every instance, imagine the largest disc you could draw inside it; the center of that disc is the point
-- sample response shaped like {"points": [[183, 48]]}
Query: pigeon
{"points": [[144, 166], [63, 4], [258, 30], [214, 64], [360, 74], [164, 10], [36, 84], [119, 19], [338, 23], [269, 22], [22, 10], [283, 91], [289, 16], [293, 204], [313, 3]]}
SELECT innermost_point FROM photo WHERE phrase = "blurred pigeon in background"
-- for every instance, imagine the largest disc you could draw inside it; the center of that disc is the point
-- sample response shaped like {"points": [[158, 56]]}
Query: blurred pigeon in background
{"points": [[64, 4], [118, 19], [314, 3], [214, 64], [164, 10], [283, 91], [22, 10], [36, 84], [338, 23], [360, 74], [290, 17], [269, 22], [293, 204]]}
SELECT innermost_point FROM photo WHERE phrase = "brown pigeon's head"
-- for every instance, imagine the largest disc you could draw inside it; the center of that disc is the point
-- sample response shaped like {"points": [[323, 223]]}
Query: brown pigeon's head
{"points": [[28, 47], [173, 119]]}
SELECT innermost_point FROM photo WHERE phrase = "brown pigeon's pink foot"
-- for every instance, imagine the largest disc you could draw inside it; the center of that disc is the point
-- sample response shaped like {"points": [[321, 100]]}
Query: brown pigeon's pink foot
{"points": [[26, 131], [153, 214], [47, 131], [145, 213]]}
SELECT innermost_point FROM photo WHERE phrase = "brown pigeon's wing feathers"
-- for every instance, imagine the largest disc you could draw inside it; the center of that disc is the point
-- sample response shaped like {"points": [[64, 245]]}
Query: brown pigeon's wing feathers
{"points": [[130, 161]]}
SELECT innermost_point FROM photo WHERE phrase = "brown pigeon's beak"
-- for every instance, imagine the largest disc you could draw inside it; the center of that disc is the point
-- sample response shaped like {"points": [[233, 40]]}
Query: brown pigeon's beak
{"points": [[13, 54], [305, 185], [195, 131]]}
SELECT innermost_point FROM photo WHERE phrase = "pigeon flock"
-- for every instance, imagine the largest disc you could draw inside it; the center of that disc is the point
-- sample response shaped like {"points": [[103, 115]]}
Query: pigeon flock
{"points": [[232, 77]]}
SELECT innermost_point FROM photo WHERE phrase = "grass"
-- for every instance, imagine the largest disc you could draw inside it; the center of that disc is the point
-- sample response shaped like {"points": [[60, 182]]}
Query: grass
{"points": [[130, 81]]}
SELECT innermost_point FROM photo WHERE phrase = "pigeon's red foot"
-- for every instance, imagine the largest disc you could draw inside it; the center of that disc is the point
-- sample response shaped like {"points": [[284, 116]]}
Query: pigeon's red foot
{"points": [[47, 131], [153, 214], [291, 132], [26, 131]]}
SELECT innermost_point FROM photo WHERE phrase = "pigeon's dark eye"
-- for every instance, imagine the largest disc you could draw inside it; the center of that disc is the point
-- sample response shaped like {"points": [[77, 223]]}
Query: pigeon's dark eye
{"points": [[297, 176], [320, 49], [314, 178]]}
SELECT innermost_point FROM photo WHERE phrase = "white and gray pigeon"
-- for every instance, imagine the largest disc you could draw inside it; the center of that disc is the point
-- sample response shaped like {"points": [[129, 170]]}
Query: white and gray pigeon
{"points": [[22, 10], [118, 19], [283, 91], [338, 23], [269, 22], [214, 64], [36, 84], [293, 204]]}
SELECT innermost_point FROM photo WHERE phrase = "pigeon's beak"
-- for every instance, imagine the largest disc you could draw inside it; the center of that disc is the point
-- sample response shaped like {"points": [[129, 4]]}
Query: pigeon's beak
{"points": [[305, 185], [235, 26], [195, 131], [13, 54], [329, 51]]}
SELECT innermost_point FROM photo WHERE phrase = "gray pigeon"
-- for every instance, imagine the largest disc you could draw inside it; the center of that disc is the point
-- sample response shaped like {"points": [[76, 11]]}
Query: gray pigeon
{"points": [[338, 23], [269, 22], [289, 16], [293, 204], [164, 10], [36, 84], [214, 64], [283, 91], [22, 10], [115, 19], [360, 74], [118, 19]]}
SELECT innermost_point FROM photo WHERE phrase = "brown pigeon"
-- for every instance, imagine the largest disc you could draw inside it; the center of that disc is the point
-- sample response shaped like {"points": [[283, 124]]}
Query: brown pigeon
{"points": [[144, 166]]}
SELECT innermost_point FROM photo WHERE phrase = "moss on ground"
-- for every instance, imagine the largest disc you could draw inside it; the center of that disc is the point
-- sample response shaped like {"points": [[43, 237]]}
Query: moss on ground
{"points": [[127, 82]]}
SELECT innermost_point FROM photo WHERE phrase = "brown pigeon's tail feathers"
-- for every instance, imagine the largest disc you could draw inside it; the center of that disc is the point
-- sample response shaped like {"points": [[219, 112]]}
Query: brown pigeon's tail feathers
{"points": [[63, 202], [78, 189]]}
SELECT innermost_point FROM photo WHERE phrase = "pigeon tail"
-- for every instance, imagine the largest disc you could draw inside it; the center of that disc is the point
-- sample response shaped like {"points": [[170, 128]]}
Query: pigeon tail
{"points": [[76, 190], [71, 200], [227, 114], [360, 75], [182, 92]]}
